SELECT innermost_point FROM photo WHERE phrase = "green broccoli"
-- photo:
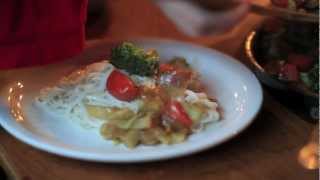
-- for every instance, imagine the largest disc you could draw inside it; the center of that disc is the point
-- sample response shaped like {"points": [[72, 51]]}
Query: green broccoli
{"points": [[134, 60]]}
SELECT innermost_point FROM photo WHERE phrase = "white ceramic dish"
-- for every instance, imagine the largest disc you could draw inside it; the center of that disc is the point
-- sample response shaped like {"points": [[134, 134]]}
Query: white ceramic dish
{"points": [[236, 88]]}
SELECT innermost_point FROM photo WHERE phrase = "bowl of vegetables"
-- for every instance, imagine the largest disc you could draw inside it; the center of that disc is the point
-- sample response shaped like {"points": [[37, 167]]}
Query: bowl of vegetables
{"points": [[285, 53]]}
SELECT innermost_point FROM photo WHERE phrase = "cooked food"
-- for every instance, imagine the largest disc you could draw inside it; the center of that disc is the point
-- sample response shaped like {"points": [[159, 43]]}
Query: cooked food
{"points": [[134, 99]]}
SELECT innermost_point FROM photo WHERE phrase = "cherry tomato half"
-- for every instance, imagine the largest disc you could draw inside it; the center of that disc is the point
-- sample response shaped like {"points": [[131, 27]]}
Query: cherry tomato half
{"points": [[121, 86], [175, 111]]}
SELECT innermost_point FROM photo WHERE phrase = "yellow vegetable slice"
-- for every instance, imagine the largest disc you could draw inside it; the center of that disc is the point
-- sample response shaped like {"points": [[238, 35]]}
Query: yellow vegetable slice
{"points": [[131, 139], [98, 112]]}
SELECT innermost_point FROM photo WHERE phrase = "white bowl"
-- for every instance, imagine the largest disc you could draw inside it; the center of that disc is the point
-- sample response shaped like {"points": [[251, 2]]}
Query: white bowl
{"points": [[236, 88]]}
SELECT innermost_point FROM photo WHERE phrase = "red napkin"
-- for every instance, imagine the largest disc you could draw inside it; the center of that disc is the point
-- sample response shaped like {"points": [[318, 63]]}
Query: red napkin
{"points": [[35, 32]]}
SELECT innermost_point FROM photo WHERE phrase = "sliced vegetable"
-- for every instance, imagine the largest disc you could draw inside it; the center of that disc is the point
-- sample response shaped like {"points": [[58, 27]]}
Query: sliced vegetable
{"points": [[151, 136], [98, 112], [156, 135], [121, 114], [178, 137], [152, 104], [289, 72], [173, 91], [121, 86], [303, 62], [194, 111], [109, 113], [122, 119], [131, 139], [175, 111], [110, 131], [162, 136], [143, 120]]}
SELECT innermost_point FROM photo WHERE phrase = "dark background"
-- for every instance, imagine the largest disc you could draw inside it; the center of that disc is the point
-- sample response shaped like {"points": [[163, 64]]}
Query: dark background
{"points": [[2, 175]]}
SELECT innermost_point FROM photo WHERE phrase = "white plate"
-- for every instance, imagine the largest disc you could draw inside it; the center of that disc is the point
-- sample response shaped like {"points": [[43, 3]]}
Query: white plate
{"points": [[236, 88]]}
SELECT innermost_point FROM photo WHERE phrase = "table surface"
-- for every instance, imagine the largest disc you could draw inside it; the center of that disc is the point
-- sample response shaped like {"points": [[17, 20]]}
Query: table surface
{"points": [[268, 149]]}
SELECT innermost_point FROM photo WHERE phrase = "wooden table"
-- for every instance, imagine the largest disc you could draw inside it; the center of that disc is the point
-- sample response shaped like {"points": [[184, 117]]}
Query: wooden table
{"points": [[267, 150]]}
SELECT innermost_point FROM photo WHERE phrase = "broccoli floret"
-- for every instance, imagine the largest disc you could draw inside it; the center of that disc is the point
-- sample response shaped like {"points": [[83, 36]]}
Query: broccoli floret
{"points": [[134, 60]]}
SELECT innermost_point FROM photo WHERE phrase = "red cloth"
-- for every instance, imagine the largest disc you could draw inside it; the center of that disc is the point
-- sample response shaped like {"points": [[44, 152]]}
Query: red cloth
{"points": [[34, 32]]}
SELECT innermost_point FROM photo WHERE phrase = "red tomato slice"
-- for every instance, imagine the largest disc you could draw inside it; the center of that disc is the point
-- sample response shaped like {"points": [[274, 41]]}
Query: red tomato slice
{"points": [[303, 62], [175, 111], [121, 86], [290, 72]]}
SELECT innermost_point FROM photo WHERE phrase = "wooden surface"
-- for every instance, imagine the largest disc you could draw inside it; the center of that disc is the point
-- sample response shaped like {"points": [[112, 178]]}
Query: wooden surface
{"points": [[267, 150]]}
